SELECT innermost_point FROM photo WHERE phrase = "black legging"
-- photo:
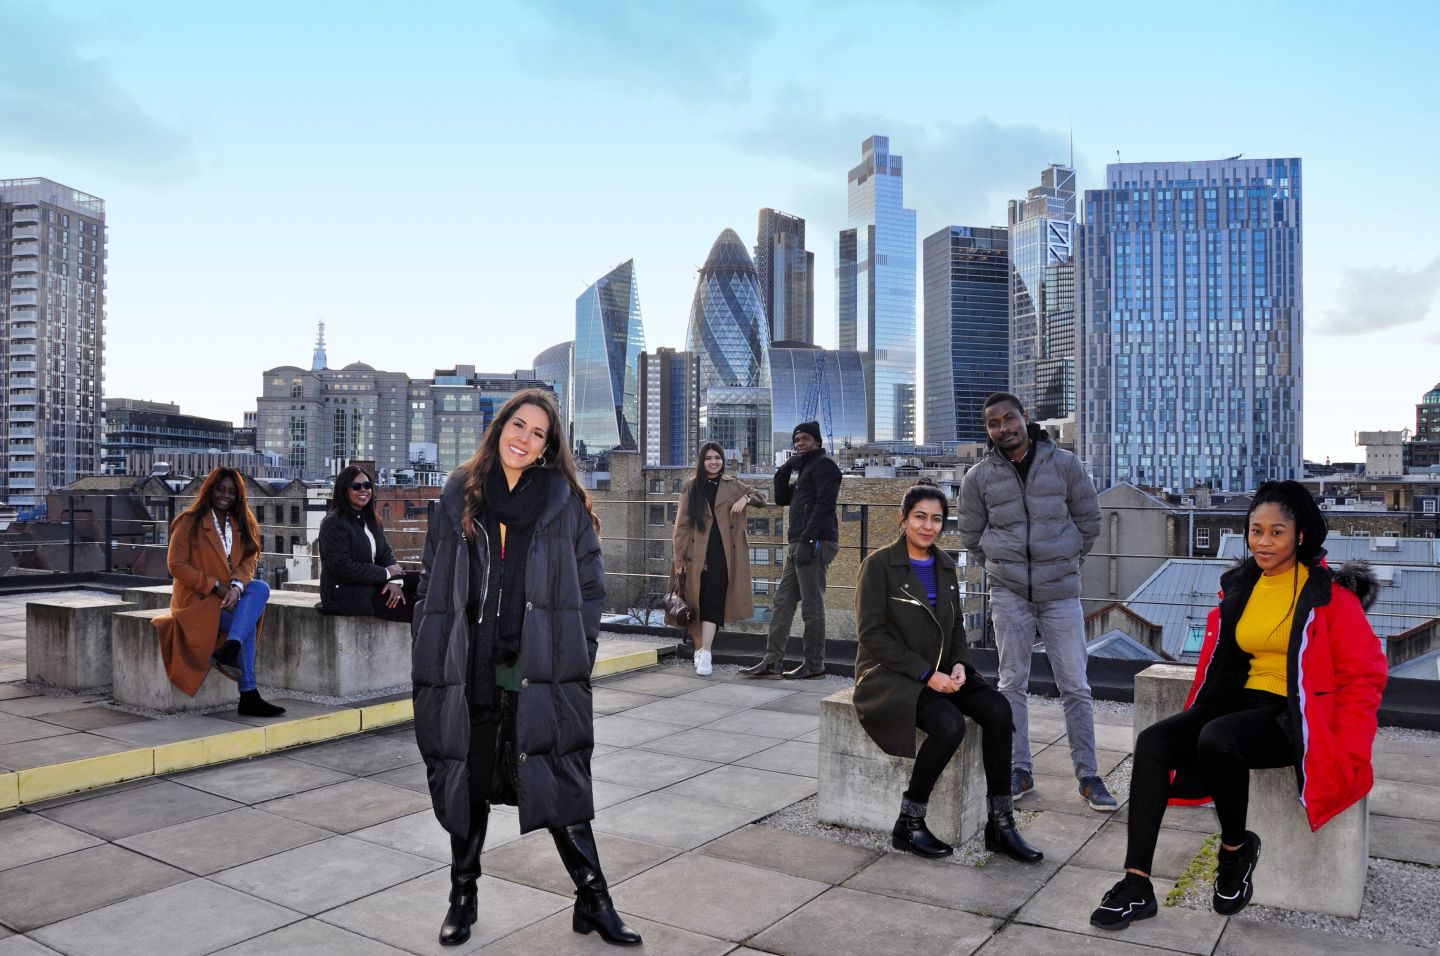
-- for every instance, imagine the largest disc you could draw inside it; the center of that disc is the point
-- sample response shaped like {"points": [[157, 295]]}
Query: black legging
{"points": [[942, 717], [481, 763], [1225, 739]]}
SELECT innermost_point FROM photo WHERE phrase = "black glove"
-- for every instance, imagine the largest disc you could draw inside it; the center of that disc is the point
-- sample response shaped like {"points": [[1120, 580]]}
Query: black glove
{"points": [[804, 552]]}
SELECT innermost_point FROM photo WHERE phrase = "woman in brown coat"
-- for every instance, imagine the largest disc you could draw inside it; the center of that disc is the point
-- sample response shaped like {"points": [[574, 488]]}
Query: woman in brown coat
{"points": [[716, 566], [912, 669], [217, 604]]}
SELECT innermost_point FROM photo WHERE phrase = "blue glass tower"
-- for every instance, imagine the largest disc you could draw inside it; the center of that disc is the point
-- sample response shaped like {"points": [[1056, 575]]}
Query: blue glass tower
{"points": [[1042, 296], [814, 384], [729, 333], [609, 338], [967, 350], [1190, 359], [875, 289]]}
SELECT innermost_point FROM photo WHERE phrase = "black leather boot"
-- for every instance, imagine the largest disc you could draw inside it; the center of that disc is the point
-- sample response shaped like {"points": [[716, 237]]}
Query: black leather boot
{"points": [[912, 835], [593, 908], [464, 873], [253, 705], [1001, 835]]}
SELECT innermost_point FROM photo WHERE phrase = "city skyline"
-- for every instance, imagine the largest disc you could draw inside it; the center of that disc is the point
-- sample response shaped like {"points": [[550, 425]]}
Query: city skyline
{"points": [[253, 206]]}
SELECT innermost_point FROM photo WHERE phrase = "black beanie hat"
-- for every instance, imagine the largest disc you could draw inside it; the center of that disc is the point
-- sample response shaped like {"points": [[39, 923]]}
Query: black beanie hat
{"points": [[810, 428]]}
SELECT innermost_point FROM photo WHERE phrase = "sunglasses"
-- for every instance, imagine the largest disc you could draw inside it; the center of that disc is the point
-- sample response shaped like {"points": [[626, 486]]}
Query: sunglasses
{"points": [[360, 486]]}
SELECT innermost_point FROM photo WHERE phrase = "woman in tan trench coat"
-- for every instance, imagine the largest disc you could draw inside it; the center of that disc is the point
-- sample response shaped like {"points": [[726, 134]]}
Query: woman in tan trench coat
{"points": [[717, 566], [217, 604]]}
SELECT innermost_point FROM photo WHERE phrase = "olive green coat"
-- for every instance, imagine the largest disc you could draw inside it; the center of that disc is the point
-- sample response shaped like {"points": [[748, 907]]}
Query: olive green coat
{"points": [[691, 547], [901, 639]]}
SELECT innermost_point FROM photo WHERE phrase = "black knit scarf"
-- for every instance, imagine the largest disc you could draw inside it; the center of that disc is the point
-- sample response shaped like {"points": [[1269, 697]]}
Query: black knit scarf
{"points": [[517, 509]]}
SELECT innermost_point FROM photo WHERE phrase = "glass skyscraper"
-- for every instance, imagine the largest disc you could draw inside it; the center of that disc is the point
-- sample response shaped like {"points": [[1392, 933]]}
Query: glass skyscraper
{"points": [[967, 351], [669, 407], [553, 366], [609, 338], [1042, 296], [787, 277], [875, 288], [729, 333], [1190, 346], [820, 385]]}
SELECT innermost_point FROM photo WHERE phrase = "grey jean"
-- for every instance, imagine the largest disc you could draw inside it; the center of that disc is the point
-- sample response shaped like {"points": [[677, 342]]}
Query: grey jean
{"points": [[1062, 627], [803, 583]]}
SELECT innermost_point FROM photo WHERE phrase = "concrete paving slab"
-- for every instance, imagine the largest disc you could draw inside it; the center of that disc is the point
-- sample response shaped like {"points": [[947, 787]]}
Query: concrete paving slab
{"points": [[554, 937], [1017, 939], [92, 717], [1173, 852], [811, 738], [790, 757], [352, 805], [624, 731], [1199, 819], [1058, 793], [608, 794], [213, 917], [738, 900], [605, 700], [657, 684], [260, 778], [1414, 841], [996, 890], [409, 915], [793, 853], [646, 770], [1424, 747], [151, 733], [534, 861], [1055, 760], [761, 790], [1045, 730], [1066, 902], [27, 837], [411, 777], [671, 820], [504, 827], [83, 795], [1413, 801], [805, 704], [705, 744], [294, 709], [14, 730], [364, 755], [742, 696], [1059, 835], [214, 843], [682, 711], [307, 938], [1109, 736], [12, 691], [137, 811], [844, 920], [767, 723], [419, 834], [40, 705], [56, 749], [24, 946], [1411, 768], [1245, 937], [48, 891], [318, 876]]}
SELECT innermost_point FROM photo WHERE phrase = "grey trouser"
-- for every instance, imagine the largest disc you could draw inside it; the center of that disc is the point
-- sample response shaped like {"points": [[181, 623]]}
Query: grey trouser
{"points": [[804, 584], [1062, 627]]}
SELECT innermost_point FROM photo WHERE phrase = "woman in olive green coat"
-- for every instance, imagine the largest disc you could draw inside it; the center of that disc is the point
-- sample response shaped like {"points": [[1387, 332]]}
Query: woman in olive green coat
{"points": [[912, 669]]}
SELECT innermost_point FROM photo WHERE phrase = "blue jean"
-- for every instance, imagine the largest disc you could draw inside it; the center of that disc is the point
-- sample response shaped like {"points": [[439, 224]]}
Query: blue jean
{"points": [[239, 625]]}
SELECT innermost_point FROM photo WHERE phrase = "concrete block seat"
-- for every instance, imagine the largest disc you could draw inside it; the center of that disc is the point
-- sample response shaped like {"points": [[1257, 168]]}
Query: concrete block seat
{"points": [[304, 650], [860, 785], [1291, 855], [156, 597], [139, 676], [310, 587], [67, 640]]}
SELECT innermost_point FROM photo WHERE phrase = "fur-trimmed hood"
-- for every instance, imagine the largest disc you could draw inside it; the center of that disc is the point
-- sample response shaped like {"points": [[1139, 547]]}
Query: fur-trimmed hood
{"points": [[1357, 578]]}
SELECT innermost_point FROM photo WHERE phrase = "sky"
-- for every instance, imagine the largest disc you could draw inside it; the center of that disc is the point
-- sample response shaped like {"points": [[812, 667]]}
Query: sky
{"points": [[440, 181]]}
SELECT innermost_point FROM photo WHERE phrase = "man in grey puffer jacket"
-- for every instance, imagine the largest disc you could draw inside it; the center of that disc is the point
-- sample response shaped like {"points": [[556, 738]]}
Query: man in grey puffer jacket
{"points": [[1029, 514]]}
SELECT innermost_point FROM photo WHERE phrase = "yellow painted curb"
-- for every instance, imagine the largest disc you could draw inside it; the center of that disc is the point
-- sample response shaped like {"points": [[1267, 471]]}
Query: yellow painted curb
{"points": [[58, 779], [620, 663], [387, 714], [9, 791], [203, 751], [309, 730]]}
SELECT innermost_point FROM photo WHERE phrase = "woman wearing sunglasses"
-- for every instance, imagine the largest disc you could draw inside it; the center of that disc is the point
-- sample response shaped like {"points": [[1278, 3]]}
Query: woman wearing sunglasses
{"points": [[358, 572]]}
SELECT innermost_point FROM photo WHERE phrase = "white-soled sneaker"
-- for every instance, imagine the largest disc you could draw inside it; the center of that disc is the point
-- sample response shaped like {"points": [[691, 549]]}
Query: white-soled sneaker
{"points": [[703, 667]]}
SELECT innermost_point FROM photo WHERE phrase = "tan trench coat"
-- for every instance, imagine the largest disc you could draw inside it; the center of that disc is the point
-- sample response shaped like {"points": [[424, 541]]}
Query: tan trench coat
{"points": [[690, 548], [190, 633]]}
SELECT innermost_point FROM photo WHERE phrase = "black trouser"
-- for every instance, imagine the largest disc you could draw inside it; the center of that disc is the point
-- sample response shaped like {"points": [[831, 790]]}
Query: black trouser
{"points": [[942, 717], [1225, 739], [481, 764]]}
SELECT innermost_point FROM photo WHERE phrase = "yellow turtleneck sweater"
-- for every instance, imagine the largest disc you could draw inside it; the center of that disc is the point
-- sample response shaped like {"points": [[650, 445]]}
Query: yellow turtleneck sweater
{"points": [[1264, 628]]}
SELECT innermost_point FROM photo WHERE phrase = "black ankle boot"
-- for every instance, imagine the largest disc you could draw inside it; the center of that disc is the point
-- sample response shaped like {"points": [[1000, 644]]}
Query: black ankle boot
{"points": [[1001, 835], [464, 874], [912, 835], [593, 907], [227, 659], [253, 705]]}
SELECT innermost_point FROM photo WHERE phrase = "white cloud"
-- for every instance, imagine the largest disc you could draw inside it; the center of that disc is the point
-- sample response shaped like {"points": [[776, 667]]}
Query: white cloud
{"points": [[1382, 297]]}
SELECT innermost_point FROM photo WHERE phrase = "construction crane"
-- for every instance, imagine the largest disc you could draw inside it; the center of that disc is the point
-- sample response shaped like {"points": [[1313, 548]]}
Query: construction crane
{"points": [[817, 399]]}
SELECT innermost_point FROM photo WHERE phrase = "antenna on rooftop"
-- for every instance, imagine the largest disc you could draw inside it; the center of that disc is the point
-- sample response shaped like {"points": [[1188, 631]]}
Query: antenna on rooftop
{"points": [[319, 361]]}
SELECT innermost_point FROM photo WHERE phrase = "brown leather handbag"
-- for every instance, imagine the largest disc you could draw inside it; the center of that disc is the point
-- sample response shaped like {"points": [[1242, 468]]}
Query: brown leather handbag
{"points": [[676, 607]]}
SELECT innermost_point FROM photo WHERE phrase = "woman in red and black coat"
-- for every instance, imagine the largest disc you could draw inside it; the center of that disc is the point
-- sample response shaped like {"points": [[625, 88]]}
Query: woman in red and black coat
{"points": [[1290, 675]]}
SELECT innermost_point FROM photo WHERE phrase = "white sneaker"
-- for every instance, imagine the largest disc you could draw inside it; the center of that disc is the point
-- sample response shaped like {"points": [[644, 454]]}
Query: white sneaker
{"points": [[702, 664]]}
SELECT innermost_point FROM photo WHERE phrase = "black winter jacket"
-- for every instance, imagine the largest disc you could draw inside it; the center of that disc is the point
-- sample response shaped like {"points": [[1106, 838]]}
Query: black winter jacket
{"points": [[564, 592], [812, 498], [349, 577]]}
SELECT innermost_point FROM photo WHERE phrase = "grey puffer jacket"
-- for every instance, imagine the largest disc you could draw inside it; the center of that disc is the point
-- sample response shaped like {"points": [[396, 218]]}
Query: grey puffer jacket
{"points": [[564, 591], [1031, 536]]}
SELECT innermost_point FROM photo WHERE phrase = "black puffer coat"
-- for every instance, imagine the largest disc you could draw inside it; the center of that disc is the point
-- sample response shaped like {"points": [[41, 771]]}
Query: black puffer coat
{"points": [[564, 591], [349, 577]]}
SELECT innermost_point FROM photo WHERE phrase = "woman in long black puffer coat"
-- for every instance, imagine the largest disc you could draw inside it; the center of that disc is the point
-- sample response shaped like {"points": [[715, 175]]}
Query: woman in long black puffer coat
{"points": [[505, 632]]}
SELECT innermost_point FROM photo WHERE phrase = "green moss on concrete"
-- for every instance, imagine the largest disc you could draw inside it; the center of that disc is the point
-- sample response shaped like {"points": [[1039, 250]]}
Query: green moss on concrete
{"points": [[1201, 870]]}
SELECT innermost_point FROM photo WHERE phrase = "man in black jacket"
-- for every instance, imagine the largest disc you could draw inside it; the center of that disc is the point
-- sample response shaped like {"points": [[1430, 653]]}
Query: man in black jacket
{"points": [[814, 538]]}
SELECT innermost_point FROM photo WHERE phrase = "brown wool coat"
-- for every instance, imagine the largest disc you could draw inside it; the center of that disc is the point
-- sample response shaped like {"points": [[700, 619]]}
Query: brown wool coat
{"points": [[190, 633], [691, 545]]}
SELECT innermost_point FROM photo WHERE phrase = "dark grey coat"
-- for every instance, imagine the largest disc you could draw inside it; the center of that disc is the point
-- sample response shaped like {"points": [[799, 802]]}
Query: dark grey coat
{"points": [[564, 591], [349, 577], [901, 639]]}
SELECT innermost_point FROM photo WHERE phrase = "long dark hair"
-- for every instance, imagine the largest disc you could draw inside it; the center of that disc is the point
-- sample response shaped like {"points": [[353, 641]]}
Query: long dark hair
{"points": [[340, 497], [1300, 507], [924, 490], [696, 501], [556, 456], [240, 514]]}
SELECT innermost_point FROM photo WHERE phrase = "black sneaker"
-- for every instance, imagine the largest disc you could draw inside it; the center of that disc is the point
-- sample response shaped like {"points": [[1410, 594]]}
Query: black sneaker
{"points": [[1235, 879], [1131, 899]]}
